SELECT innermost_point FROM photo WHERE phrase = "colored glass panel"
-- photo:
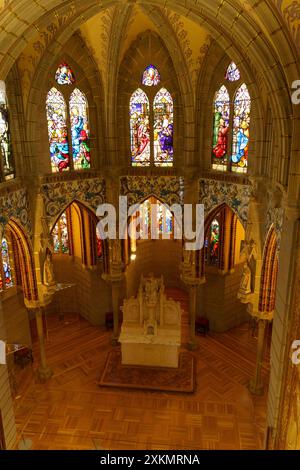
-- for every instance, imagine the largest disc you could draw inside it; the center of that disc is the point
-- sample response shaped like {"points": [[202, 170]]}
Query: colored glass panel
{"points": [[139, 129], [80, 130], [232, 73], [57, 131], [5, 139], [60, 235], [151, 76], [163, 128], [221, 129], [64, 75], [214, 242], [6, 264], [241, 123]]}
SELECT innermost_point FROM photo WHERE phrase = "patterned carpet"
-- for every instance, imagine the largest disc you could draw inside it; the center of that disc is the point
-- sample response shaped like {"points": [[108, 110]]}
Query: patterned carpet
{"points": [[149, 378]]}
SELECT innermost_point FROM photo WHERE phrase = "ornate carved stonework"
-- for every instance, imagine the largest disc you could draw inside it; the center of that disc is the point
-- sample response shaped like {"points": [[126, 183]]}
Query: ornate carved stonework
{"points": [[15, 204], [57, 196], [275, 218], [290, 10], [212, 193], [138, 188]]}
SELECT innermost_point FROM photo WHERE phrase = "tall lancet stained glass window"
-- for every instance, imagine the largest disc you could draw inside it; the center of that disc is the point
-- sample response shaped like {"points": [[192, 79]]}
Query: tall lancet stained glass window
{"points": [[221, 129], [6, 264], [60, 235], [80, 130], [64, 75], [241, 123], [57, 131], [163, 128], [151, 76], [7, 163], [140, 128]]}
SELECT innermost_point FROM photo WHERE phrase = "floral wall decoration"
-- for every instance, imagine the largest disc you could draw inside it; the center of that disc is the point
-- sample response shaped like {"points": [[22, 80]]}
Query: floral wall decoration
{"points": [[138, 188], [15, 205], [58, 195], [212, 193]]}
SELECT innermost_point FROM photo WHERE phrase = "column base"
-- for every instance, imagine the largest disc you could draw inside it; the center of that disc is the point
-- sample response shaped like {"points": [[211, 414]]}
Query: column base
{"points": [[115, 341], [192, 346], [43, 374], [254, 388]]}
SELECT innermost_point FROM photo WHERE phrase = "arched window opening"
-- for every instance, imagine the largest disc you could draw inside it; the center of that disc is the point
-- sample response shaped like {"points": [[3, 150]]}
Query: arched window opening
{"points": [[140, 129], [221, 129], [79, 130], [151, 124], [241, 123], [60, 235], [7, 169], [57, 131], [153, 220], [163, 128], [212, 244], [231, 124]]}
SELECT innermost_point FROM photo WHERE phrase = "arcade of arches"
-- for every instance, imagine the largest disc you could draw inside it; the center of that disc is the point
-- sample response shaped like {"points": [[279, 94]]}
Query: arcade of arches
{"points": [[166, 103]]}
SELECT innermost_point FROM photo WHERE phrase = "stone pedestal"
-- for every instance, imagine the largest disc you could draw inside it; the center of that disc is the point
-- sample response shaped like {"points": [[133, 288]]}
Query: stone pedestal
{"points": [[151, 330]]}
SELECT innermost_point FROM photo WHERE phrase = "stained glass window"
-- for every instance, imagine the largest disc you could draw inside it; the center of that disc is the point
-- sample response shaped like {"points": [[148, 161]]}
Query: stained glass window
{"points": [[241, 123], [232, 73], [140, 129], [60, 235], [214, 242], [57, 131], [220, 129], [99, 244], [153, 210], [151, 76], [5, 140], [6, 265], [80, 130], [163, 128], [64, 75]]}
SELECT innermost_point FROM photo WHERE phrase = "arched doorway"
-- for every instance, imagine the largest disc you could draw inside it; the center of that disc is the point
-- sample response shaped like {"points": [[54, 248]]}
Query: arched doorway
{"points": [[156, 250], [79, 259], [222, 267]]}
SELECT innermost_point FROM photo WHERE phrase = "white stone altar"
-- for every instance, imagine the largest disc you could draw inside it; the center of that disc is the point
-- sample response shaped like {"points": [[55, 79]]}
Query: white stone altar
{"points": [[151, 329]]}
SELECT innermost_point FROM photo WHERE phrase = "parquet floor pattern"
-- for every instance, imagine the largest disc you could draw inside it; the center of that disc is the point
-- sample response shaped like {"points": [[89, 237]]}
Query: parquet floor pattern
{"points": [[71, 412]]}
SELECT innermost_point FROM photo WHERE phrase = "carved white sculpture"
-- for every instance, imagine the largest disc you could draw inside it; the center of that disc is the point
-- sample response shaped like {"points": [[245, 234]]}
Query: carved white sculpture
{"points": [[151, 330]]}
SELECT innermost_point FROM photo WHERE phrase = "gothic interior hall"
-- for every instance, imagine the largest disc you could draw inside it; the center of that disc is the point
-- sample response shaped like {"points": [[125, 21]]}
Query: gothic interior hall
{"points": [[173, 324]]}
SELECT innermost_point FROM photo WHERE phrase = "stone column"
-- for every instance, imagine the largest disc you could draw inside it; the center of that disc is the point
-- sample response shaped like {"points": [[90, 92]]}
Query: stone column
{"points": [[115, 287], [256, 384], [44, 371], [192, 344]]}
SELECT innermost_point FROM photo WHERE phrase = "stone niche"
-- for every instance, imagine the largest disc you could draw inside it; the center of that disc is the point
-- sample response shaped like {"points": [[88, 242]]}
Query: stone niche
{"points": [[151, 329]]}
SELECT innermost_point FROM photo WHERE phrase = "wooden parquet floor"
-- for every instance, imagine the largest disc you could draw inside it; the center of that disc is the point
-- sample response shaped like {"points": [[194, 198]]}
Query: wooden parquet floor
{"points": [[71, 411]]}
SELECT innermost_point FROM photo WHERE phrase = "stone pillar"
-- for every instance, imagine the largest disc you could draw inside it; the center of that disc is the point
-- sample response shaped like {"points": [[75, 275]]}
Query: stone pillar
{"points": [[115, 287], [44, 371], [6, 403], [192, 344], [256, 384], [115, 277]]}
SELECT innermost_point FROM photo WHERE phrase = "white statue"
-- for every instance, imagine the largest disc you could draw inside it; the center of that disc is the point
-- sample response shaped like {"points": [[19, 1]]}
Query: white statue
{"points": [[48, 272], [246, 285]]}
